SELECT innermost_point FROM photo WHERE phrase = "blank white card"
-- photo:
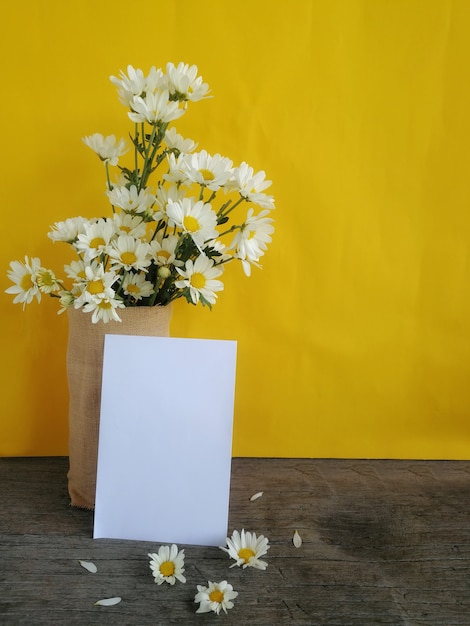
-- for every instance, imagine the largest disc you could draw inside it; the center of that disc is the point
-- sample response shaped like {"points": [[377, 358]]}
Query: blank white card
{"points": [[165, 440]]}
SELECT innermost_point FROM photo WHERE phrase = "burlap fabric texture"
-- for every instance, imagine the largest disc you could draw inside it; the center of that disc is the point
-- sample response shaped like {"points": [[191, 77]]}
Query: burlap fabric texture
{"points": [[84, 373]]}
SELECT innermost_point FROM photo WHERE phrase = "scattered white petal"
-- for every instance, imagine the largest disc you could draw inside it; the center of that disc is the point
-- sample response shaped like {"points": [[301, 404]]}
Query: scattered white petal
{"points": [[297, 539], [108, 601], [256, 496], [89, 566]]}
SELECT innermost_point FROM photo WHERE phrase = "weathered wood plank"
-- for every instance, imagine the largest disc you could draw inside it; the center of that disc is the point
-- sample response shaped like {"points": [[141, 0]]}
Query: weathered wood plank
{"points": [[384, 542]]}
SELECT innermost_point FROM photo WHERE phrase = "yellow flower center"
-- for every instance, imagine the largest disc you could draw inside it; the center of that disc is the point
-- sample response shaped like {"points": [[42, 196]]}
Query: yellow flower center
{"points": [[190, 223], [128, 258], [105, 304], [46, 279], [246, 554], [167, 568], [132, 288], [81, 274], [125, 229], [96, 242], [95, 286], [164, 253], [207, 174], [26, 282], [216, 596], [197, 280]]}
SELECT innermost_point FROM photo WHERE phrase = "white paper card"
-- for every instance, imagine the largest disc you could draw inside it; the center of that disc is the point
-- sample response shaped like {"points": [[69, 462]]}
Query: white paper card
{"points": [[165, 440]]}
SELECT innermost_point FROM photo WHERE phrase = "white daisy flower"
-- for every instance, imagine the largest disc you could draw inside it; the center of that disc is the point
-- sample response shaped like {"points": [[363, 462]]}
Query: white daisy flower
{"points": [[177, 170], [129, 253], [246, 548], [106, 147], [155, 108], [76, 271], [251, 185], [184, 83], [130, 200], [175, 141], [66, 299], [211, 171], [215, 596], [96, 239], [200, 278], [68, 230], [167, 565], [103, 309], [136, 286], [164, 250], [166, 194], [23, 275], [195, 218], [135, 83], [251, 240], [47, 281], [128, 224], [98, 285]]}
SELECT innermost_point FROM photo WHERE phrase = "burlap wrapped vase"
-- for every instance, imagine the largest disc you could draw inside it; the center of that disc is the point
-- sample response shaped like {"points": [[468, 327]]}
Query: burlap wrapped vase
{"points": [[84, 372]]}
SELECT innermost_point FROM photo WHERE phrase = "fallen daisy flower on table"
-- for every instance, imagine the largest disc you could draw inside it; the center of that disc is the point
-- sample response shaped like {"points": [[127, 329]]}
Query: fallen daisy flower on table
{"points": [[167, 565], [215, 597], [246, 548]]}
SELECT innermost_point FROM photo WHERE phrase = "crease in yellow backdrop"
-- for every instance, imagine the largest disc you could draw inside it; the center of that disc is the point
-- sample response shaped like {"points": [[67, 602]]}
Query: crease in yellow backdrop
{"points": [[353, 341]]}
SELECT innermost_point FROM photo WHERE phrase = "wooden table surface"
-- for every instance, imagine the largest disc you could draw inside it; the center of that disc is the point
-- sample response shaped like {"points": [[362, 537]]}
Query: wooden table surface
{"points": [[384, 542]]}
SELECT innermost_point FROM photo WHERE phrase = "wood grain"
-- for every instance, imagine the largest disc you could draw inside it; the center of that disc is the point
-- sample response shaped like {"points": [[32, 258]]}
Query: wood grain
{"points": [[384, 542]]}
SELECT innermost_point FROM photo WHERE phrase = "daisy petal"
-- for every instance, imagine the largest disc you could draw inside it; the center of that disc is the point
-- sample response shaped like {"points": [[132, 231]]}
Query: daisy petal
{"points": [[297, 539], [256, 496], [108, 601], [89, 566]]}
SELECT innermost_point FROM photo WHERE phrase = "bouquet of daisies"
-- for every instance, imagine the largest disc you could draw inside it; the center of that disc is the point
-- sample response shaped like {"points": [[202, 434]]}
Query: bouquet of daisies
{"points": [[177, 216]]}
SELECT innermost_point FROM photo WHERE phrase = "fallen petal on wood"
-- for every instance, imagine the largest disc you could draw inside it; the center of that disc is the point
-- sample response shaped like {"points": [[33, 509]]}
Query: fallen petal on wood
{"points": [[297, 539], [256, 496], [108, 602], [89, 566]]}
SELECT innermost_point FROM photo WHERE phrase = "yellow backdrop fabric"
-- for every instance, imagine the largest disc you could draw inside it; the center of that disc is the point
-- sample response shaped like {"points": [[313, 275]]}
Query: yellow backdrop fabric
{"points": [[354, 338]]}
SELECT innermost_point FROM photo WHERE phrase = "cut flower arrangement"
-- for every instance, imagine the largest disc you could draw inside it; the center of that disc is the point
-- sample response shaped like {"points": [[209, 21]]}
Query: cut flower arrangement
{"points": [[177, 216]]}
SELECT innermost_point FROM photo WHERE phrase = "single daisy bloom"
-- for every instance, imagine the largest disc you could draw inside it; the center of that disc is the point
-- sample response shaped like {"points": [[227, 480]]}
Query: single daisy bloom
{"points": [[246, 548], [184, 83], [23, 275], [195, 218], [211, 171], [103, 309], [177, 170], [200, 278], [154, 108], [167, 565], [98, 285], [166, 194], [174, 141], [68, 230], [164, 251], [46, 280], [130, 200], [106, 148], [95, 240], [215, 597], [135, 83], [251, 186], [135, 286], [129, 253], [251, 240], [76, 271], [128, 224]]}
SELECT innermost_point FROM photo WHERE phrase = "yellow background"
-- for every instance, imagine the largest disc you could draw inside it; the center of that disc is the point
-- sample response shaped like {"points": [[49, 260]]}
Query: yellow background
{"points": [[353, 341]]}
